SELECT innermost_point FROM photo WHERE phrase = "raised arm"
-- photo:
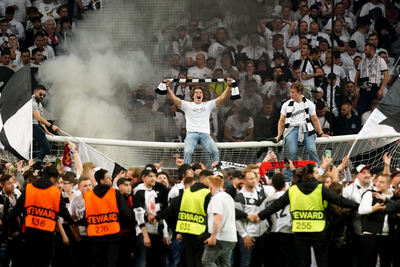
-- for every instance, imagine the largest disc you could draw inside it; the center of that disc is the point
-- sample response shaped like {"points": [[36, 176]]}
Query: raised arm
{"points": [[177, 101], [225, 94], [77, 158], [292, 27], [262, 23]]}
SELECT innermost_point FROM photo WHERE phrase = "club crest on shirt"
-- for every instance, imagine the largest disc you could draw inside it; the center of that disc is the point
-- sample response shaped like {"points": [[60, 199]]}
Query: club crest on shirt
{"points": [[151, 205]]}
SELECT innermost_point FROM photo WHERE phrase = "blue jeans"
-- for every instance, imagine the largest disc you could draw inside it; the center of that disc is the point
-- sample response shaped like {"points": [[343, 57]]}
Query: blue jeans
{"points": [[40, 137], [191, 141], [291, 149], [174, 252], [253, 256]]}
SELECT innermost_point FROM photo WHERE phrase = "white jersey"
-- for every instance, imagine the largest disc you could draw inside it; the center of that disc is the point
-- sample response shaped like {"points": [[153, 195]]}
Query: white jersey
{"points": [[281, 221]]}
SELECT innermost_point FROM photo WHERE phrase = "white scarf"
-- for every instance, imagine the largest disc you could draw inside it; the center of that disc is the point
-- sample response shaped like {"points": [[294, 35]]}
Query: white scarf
{"points": [[371, 69]]}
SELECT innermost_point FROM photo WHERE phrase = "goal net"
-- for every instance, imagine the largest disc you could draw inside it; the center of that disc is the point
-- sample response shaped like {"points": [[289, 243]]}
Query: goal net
{"points": [[138, 154]]}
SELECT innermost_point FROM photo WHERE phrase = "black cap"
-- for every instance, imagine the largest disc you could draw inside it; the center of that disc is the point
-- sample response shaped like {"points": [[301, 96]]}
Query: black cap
{"points": [[331, 76], [123, 180], [182, 170], [395, 172], [322, 40], [37, 18], [148, 169], [10, 10], [245, 112], [182, 28], [65, 19], [278, 56], [196, 39], [365, 20], [376, 170], [236, 174]]}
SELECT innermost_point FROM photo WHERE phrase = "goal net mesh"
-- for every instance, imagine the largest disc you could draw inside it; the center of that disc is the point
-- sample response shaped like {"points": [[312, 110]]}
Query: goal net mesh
{"points": [[368, 152]]}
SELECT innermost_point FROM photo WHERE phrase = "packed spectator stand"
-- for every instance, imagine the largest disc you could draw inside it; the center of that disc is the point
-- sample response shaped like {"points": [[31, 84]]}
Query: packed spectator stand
{"points": [[346, 65]]}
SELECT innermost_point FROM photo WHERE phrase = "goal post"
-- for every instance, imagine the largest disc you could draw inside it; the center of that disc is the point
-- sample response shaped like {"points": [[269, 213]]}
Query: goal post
{"points": [[367, 151]]}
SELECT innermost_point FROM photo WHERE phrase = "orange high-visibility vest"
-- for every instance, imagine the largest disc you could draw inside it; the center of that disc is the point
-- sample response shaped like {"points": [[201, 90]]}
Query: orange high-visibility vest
{"points": [[42, 207], [102, 214]]}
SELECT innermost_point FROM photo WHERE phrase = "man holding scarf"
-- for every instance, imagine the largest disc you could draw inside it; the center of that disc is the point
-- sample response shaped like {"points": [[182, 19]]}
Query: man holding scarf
{"points": [[371, 78], [299, 123]]}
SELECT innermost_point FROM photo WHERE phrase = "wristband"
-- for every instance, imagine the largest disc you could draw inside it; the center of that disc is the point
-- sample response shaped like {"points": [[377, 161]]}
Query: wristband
{"points": [[74, 150], [230, 85], [51, 125], [319, 135]]}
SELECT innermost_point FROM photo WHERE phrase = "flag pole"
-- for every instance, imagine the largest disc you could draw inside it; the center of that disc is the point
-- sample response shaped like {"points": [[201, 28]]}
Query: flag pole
{"points": [[84, 144], [32, 132], [351, 149]]}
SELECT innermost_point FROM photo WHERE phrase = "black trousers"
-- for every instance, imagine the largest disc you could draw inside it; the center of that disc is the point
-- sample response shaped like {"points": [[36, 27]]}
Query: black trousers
{"points": [[39, 247], [104, 254], [126, 244], [194, 246], [375, 245], [13, 252], [81, 252], [288, 248], [304, 242]]}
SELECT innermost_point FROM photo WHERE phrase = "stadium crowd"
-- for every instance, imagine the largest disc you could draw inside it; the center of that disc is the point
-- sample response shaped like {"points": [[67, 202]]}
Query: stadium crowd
{"points": [[280, 44], [250, 217], [247, 216]]}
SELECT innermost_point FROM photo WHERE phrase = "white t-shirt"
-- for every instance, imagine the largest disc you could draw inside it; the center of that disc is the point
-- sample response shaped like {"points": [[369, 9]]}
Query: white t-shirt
{"points": [[280, 95], [307, 67], [196, 73], [175, 190], [344, 38], [198, 115], [223, 204], [77, 208], [339, 71], [348, 60], [238, 129], [298, 114], [369, 6], [360, 39]]}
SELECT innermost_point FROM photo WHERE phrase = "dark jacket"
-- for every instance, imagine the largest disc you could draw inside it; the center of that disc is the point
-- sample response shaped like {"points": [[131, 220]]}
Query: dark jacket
{"points": [[19, 208], [344, 126], [339, 98], [307, 188], [265, 128], [170, 214], [373, 222], [126, 217]]}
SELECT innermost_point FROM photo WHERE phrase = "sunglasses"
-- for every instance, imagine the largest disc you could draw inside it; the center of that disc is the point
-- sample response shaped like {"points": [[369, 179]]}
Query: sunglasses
{"points": [[40, 94]]}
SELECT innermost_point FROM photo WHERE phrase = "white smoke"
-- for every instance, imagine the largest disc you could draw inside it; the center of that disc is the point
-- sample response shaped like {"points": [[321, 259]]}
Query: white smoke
{"points": [[90, 85]]}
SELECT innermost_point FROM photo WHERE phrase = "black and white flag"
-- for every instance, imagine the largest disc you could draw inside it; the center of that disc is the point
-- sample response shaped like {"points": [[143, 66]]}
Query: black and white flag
{"points": [[385, 119], [16, 114], [88, 153]]}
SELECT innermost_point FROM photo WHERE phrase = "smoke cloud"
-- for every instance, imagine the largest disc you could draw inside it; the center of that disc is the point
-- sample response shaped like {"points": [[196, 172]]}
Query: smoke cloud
{"points": [[108, 58]]}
